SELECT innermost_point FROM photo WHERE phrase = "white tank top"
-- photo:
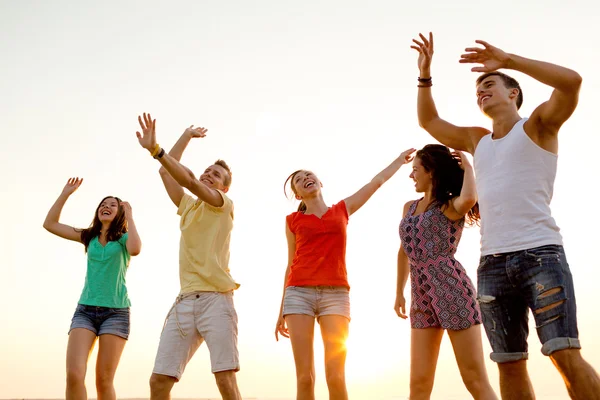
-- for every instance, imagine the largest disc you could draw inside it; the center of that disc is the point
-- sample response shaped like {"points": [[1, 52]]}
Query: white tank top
{"points": [[515, 182]]}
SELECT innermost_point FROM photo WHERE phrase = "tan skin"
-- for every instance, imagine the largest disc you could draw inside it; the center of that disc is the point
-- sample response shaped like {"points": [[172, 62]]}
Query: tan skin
{"points": [[334, 328], [542, 127], [82, 341], [176, 177], [425, 343]]}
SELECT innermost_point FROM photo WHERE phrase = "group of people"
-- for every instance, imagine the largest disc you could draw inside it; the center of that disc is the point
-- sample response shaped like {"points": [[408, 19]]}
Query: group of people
{"points": [[508, 192]]}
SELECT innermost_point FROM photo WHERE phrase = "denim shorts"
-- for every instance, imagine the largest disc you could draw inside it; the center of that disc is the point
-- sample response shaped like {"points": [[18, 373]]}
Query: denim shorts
{"points": [[102, 320], [509, 284], [317, 301]]}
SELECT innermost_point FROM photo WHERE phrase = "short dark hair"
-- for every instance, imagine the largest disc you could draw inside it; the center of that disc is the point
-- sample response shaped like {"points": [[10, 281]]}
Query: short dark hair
{"points": [[509, 83], [227, 178]]}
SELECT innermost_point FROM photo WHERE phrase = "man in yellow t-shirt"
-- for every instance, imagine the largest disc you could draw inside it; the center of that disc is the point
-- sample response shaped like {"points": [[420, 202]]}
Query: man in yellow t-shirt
{"points": [[204, 309]]}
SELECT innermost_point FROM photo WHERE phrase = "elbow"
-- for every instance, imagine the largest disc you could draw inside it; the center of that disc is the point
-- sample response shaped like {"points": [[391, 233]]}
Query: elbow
{"points": [[577, 80], [135, 250], [47, 225]]}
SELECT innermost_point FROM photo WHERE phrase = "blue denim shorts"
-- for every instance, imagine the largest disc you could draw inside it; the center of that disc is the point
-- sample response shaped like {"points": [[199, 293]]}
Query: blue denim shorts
{"points": [[509, 284], [102, 320], [317, 301]]}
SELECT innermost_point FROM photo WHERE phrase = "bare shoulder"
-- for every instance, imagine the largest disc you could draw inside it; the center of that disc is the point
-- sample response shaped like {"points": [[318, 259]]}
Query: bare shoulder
{"points": [[407, 207]]}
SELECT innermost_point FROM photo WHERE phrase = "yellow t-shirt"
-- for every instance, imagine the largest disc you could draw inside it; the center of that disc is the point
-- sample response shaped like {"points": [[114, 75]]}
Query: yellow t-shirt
{"points": [[204, 245]]}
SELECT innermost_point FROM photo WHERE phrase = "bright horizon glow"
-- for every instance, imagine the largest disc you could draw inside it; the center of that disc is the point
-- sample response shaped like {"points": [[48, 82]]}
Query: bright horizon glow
{"points": [[325, 86]]}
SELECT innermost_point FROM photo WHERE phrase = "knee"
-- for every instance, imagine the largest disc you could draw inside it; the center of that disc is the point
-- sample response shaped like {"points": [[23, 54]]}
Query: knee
{"points": [[306, 381], [104, 382], [160, 383], [225, 380], [75, 376], [567, 360], [336, 379], [513, 370], [421, 384]]}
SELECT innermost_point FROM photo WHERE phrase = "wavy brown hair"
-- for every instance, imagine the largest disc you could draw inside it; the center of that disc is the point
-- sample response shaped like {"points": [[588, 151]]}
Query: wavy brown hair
{"points": [[290, 179], [117, 228], [446, 176]]}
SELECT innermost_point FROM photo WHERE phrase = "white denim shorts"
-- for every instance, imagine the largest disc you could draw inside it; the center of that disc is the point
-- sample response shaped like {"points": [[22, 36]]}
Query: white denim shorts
{"points": [[194, 318], [317, 301]]}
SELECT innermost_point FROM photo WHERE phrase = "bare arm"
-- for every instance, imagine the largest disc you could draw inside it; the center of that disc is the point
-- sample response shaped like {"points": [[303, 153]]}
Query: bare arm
{"points": [[174, 189], [467, 198], [280, 328], [52, 224], [182, 175], [402, 277], [358, 199], [461, 138], [134, 243], [549, 116]]}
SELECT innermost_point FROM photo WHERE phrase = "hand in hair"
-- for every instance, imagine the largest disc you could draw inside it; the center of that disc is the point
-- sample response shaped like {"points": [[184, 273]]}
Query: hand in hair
{"points": [[72, 185], [463, 161], [491, 58], [196, 132], [425, 49], [147, 138]]}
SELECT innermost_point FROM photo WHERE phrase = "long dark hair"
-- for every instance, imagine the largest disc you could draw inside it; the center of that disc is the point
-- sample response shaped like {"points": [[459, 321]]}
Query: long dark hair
{"points": [[290, 179], [117, 228], [446, 176]]}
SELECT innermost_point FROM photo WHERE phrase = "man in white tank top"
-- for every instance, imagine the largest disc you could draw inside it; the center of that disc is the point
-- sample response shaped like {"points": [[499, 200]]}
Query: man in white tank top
{"points": [[523, 265]]}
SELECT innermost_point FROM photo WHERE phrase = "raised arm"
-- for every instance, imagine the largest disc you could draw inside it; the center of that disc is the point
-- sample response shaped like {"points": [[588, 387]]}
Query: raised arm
{"points": [[52, 224], [134, 243], [280, 327], [402, 277], [549, 116], [182, 175], [174, 189], [358, 199], [467, 198], [461, 138]]}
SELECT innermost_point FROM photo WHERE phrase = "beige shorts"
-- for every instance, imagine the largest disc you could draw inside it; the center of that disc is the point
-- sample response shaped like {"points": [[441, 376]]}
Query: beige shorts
{"points": [[194, 318]]}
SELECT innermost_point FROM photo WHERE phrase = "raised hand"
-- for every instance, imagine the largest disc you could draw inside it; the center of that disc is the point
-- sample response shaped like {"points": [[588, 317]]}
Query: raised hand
{"points": [[463, 161], [147, 138], [281, 329], [407, 156], [196, 132], [425, 49], [126, 209], [72, 185], [400, 306], [491, 58]]}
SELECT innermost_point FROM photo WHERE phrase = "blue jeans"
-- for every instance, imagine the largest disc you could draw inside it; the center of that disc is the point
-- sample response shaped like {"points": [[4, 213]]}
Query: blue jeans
{"points": [[509, 284], [102, 320]]}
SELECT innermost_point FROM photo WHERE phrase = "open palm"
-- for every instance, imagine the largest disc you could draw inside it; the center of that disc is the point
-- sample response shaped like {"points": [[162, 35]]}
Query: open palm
{"points": [[491, 58], [147, 138]]}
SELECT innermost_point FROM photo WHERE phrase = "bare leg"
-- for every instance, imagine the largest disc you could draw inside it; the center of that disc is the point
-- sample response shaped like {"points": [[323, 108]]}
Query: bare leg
{"points": [[110, 349], [160, 386], [302, 331], [514, 381], [468, 351], [227, 384], [81, 344], [424, 351], [334, 329], [580, 377]]}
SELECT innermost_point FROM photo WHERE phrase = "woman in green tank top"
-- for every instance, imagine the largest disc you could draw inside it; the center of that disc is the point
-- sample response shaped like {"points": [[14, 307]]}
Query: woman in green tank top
{"points": [[103, 309]]}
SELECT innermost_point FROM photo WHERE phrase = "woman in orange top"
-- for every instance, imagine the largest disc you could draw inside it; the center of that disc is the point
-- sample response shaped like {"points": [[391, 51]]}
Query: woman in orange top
{"points": [[316, 284]]}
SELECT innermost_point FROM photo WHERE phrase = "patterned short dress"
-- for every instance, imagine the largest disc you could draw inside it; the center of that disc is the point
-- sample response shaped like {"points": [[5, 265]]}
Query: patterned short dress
{"points": [[443, 296]]}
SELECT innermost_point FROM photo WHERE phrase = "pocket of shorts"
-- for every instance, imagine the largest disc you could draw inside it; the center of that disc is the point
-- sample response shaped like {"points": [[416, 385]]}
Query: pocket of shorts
{"points": [[543, 253]]}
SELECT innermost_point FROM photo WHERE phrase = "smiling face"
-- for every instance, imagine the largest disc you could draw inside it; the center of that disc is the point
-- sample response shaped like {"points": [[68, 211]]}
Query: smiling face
{"points": [[214, 177], [108, 210], [497, 92], [305, 184], [420, 176]]}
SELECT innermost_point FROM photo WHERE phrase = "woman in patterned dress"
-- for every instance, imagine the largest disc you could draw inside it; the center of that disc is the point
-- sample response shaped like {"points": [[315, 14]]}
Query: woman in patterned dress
{"points": [[443, 296]]}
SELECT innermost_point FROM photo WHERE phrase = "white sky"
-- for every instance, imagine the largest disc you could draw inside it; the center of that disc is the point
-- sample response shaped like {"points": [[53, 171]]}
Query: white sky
{"points": [[281, 85]]}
